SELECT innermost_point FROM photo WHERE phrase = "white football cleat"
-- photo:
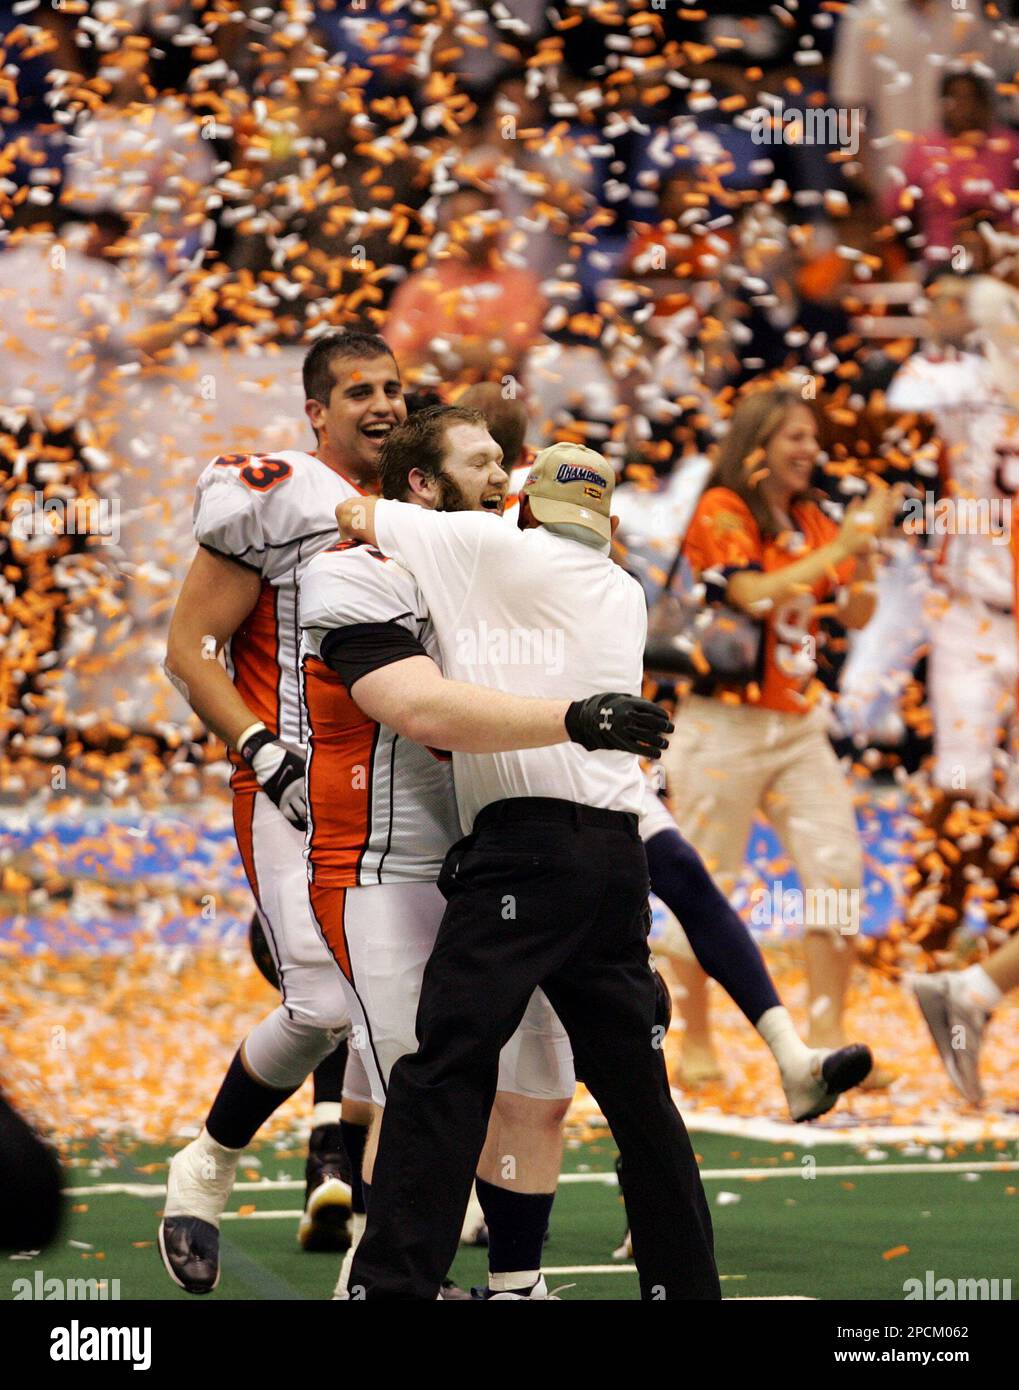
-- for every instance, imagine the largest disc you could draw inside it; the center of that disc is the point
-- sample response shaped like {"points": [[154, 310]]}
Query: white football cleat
{"points": [[956, 1022], [814, 1090]]}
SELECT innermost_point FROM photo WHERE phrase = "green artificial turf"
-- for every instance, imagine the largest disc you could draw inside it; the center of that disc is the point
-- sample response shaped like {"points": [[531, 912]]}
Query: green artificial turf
{"points": [[819, 1236]]}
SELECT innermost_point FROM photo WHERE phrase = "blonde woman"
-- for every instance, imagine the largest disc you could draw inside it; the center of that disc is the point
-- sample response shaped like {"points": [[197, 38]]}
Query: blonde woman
{"points": [[761, 544]]}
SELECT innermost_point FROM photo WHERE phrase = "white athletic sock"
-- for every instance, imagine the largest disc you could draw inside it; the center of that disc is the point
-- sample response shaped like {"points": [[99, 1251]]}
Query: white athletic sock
{"points": [[357, 1224], [325, 1112], [513, 1279], [787, 1047], [981, 987]]}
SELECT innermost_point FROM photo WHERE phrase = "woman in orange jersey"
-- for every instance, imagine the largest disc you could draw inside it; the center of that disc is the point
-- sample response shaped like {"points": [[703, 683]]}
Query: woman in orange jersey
{"points": [[760, 544]]}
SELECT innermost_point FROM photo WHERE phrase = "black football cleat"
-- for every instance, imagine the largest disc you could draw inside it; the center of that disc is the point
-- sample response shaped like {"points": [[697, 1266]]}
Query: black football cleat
{"points": [[189, 1247], [325, 1224]]}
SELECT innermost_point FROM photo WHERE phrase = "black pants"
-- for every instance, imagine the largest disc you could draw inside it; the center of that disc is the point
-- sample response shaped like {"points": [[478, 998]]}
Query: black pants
{"points": [[548, 893]]}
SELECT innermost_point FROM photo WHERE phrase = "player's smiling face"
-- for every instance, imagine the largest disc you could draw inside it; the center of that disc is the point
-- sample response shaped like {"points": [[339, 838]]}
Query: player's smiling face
{"points": [[792, 453], [472, 478], [365, 405]]}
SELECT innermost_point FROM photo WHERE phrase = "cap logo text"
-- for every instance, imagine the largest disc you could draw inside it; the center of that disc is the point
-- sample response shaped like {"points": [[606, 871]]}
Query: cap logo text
{"points": [[570, 473]]}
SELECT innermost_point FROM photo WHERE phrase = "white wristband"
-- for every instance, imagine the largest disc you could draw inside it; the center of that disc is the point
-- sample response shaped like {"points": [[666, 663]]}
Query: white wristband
{"points": [[252, 729]]}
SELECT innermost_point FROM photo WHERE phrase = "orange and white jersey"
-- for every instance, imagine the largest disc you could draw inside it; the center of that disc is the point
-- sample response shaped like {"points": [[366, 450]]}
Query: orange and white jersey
{"points": [[272, 513], [979, 428], [381, 808]]}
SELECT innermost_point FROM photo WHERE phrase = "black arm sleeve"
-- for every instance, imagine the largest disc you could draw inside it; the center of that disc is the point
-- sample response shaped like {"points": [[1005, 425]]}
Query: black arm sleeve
{"points": [[357, 650]]}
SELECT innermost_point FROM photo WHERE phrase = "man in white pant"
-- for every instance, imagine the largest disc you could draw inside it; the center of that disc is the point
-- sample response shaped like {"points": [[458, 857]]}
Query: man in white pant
{"points": [[382, 815], [258, 521], [973, 662]]}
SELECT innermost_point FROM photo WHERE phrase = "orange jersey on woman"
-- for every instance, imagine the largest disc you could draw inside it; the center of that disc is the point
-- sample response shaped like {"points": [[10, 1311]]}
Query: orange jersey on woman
{"points": [[723, 538]]}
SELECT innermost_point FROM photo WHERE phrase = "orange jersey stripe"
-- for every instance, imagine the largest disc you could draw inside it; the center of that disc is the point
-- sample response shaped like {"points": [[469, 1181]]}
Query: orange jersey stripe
{"points": [[342, 747], [254, 653], [244, 815], [329, 904]]}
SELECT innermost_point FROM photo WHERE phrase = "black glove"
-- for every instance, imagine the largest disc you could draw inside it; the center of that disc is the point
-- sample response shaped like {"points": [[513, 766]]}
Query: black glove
{"points": [[621, 722], [280, 774]]}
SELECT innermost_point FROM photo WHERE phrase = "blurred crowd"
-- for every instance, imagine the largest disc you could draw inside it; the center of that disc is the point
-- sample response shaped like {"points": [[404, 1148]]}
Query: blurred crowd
{"points": [[627, 215], [622, 213]]}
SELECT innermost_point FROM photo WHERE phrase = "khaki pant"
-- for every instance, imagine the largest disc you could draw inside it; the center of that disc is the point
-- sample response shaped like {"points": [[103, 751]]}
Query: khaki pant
{"points": [[972, 676], [725, 763]]}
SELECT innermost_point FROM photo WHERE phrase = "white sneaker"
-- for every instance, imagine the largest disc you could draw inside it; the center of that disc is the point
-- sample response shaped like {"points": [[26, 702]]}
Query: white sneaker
{"points": [[956, 1023], [813, 1091], [198, 1187]]}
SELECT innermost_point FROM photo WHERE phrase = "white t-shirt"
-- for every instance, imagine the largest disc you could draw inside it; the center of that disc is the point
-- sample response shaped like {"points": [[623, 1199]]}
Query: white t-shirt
{"points": [[533, 614]]}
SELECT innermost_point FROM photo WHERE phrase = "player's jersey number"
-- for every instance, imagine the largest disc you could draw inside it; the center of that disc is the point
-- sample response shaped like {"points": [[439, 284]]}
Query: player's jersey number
{"points": [[794, 646], [258, 472]]}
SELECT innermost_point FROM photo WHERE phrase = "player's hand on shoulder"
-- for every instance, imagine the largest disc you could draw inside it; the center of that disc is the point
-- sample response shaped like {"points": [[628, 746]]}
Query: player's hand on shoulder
{"points": [[623, 723], [279, 772]]}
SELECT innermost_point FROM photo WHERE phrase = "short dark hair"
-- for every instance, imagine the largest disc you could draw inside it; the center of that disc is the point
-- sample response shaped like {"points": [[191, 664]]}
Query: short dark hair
{"points": [[979, 83], [506, 418], [419, 442], [346, 342]]}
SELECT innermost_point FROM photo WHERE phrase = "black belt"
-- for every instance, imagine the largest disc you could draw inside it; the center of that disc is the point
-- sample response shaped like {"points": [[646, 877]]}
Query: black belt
{"points": [[550, 808]]}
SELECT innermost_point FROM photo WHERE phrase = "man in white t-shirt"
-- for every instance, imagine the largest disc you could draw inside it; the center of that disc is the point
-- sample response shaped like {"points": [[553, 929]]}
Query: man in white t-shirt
{"points": [[548, 888]]}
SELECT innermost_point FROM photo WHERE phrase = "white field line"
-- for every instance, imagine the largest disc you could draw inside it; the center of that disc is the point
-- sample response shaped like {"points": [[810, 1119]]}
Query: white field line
{"points": [[262, 1215], [949, 1128], [847, 1170]]}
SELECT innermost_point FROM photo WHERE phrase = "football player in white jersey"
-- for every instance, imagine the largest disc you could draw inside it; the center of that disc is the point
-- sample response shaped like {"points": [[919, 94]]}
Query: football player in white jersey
{"points": [[974, 658], [258, 521], [376, 702]]}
